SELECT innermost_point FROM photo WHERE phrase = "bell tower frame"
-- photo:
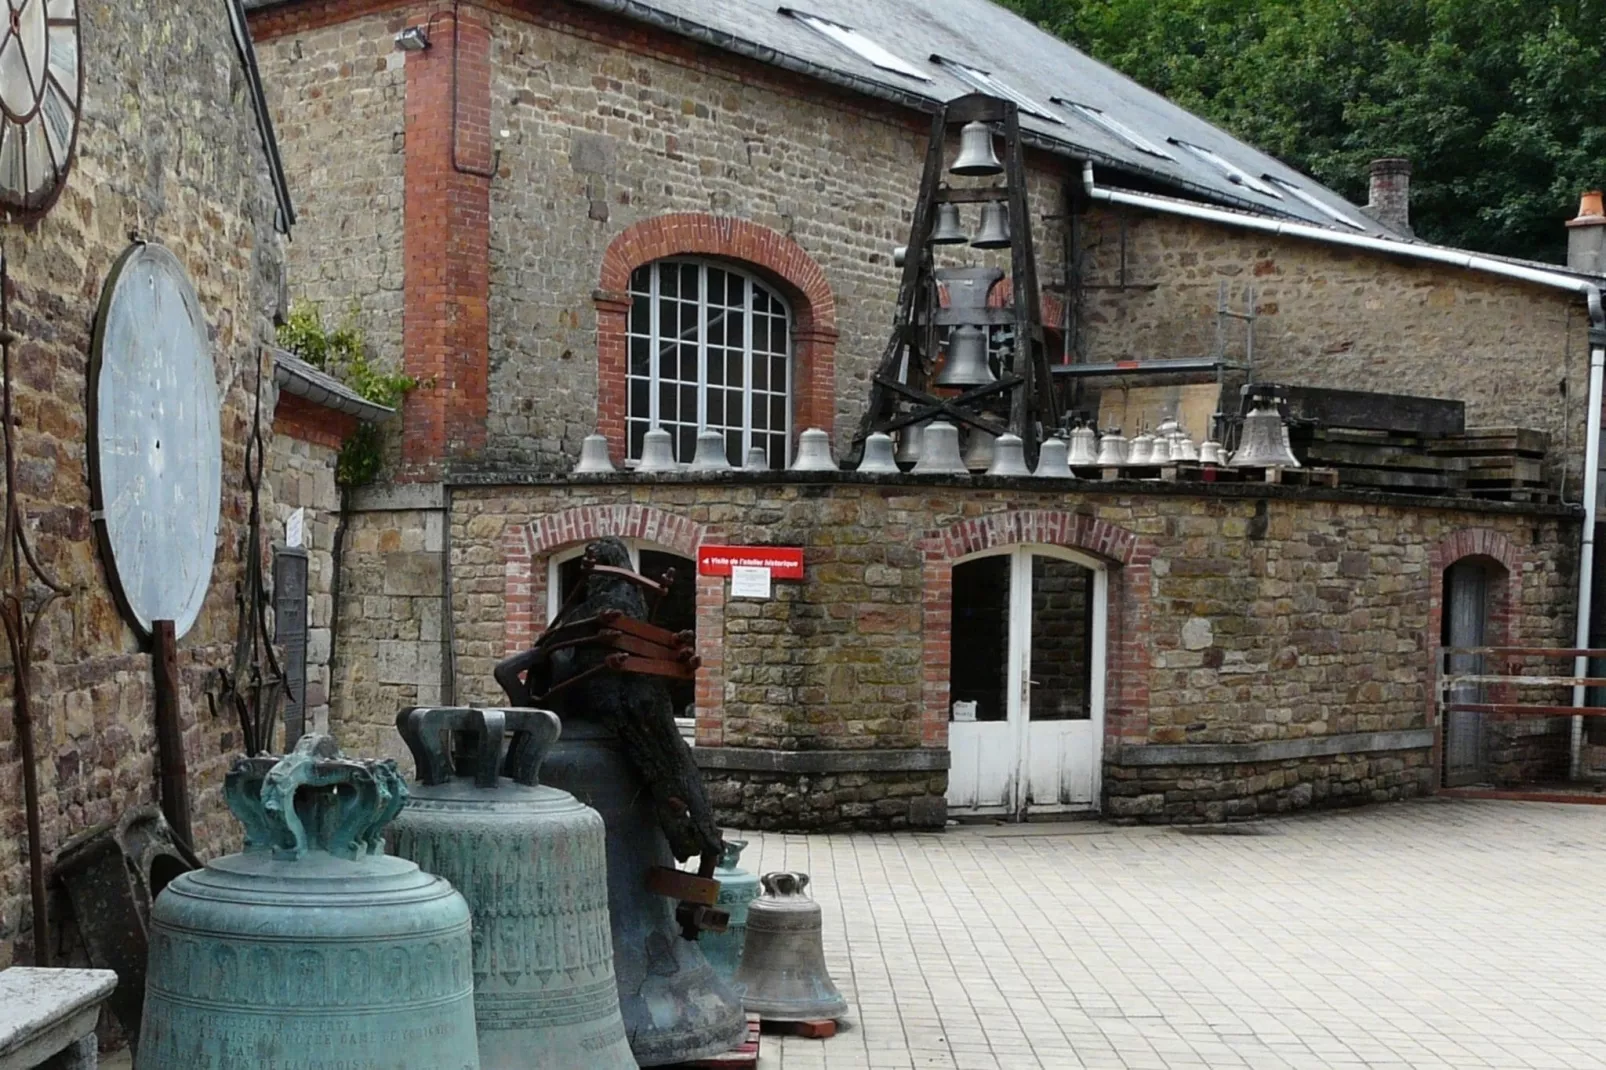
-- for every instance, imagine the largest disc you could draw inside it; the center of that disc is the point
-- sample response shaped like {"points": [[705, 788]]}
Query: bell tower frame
{"points": [[901, 392]]}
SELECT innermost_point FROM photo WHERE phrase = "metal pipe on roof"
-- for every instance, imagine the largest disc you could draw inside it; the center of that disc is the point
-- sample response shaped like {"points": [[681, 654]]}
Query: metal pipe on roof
{"points": [[1438, 254]]}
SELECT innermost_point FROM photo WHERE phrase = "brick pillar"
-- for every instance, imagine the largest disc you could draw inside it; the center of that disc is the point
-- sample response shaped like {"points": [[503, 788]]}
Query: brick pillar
{"points": [[1389, 193], [446, 282]]}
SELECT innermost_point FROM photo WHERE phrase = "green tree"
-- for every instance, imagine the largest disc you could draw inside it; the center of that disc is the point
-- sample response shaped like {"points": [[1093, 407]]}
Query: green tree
{"points": [[1497, 103]]}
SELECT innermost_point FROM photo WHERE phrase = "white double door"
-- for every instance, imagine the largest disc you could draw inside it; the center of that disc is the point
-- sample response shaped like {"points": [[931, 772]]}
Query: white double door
{"points": [[1026, 684]]}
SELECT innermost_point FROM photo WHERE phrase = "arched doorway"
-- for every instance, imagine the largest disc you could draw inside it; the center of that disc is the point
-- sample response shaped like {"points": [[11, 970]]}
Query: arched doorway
{"points": [[1026, 681], [1471, 588]]}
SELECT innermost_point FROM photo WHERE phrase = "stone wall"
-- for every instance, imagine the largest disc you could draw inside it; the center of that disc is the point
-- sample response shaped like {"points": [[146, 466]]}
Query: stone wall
{"points": [[337, 101], [1245, 618], [168, 149]]}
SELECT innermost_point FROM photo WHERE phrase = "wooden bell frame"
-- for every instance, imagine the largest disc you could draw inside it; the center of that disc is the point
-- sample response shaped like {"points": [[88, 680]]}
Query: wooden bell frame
{"points": [[901, 390]]}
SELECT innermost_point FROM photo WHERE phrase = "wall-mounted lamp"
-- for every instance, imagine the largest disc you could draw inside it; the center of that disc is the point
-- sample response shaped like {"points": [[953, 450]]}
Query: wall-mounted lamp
{"points": [[412, 39]]}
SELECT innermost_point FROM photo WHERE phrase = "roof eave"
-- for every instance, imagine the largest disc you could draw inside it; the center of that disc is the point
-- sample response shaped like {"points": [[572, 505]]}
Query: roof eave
{"points": [[296, 376]]}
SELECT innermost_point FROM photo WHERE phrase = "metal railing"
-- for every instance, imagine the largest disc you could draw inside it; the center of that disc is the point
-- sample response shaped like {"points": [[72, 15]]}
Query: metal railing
{"points": [[1450, 682]]}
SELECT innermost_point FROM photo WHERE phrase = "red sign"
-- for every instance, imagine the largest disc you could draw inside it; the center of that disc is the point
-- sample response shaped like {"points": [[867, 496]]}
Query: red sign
{"points": [[784, 562]]}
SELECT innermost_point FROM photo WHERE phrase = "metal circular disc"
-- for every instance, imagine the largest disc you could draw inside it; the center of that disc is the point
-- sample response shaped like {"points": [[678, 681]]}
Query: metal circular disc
{"points": [[155, 440]]}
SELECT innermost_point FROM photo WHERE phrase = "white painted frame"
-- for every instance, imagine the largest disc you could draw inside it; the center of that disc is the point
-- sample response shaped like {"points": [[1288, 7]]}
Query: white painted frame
{"points": [[969, 742]]}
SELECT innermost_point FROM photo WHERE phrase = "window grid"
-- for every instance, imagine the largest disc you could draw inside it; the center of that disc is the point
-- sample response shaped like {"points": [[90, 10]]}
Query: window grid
{"points": [[715, 354], [986, 83]]}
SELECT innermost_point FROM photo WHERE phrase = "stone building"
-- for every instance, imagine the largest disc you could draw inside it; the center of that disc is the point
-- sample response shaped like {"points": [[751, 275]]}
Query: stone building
{"points": [[168, 148], [604, 216]]}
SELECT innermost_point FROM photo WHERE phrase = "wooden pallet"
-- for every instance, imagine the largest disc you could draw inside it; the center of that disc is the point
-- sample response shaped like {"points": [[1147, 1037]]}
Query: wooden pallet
{"points": [[744, 1054], [1193, 472], [1487, 441]]}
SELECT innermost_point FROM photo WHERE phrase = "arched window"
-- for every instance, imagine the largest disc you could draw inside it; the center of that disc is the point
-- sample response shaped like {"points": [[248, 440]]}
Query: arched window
{"points": [[710, 347]]}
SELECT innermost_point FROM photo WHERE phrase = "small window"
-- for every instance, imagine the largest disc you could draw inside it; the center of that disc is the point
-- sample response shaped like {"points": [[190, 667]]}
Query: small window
{"points": [[1113, 126], [1232, 171], [857, 43], [1310, 199], [986, 83], [710, 347]]}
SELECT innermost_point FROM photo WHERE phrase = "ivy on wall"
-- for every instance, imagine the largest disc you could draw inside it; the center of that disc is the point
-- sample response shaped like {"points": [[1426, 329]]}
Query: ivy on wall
{"points": [[342, 352]]}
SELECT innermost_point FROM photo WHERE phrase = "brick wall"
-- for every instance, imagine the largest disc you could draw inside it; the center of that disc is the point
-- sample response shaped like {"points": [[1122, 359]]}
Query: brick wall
{"points": [[612, 128], [183, 166], [1236, 618]]}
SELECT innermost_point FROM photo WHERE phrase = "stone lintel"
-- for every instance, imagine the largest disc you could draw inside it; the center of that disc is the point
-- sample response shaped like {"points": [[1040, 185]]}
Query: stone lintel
{"points": [[398, 497], [744, 759], [1274, 750]]}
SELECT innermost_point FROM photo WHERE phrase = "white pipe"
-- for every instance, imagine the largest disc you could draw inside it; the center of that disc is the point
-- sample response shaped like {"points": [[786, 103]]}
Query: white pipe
{"points": [[1438, 254]]}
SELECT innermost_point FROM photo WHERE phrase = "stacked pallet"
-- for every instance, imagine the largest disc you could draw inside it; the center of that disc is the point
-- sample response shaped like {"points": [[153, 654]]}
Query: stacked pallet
{"points": [[1397, 461], [1503, 463]]}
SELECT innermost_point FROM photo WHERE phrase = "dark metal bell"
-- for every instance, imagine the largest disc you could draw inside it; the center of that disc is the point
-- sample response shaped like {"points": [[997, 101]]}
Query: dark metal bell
{"points": [[676, 1008], [1264, 441], [994, 226], [967, 359], [783, 963], [976, 155], [950, 229]]}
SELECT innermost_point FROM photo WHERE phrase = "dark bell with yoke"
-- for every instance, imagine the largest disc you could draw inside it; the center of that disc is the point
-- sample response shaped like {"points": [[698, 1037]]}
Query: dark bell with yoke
{"points": [[602, 666]]}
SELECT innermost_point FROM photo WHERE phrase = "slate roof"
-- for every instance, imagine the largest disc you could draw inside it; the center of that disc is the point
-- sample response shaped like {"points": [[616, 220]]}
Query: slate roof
{"points": [[1029, 60]]}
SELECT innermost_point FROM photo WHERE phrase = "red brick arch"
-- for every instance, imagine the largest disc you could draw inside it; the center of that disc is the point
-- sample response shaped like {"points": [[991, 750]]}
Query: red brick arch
{"points": [[772, 254], [1126, 714], [1461, 545], [527, 548]]}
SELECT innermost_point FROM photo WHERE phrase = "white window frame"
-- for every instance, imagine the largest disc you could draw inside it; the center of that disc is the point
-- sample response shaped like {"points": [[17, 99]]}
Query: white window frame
{"points": [[859, 44], [656, 341], [1315, 202], [1111, 125], [984, 82], [1232, 172]]}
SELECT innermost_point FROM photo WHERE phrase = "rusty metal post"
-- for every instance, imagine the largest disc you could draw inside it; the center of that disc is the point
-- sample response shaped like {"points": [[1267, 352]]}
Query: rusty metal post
{"points": [[172, 769]]}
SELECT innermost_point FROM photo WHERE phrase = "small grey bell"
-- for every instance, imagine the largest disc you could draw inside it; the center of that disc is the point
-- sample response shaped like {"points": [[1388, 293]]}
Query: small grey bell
{"points": [[978, 450], [710, 453], [878, 455], [994, 232], [976, 155], [950, 229], [899, 255], [1160, 450], [1141, 450], [1009, 457], [1084, 447], [783, 976], [939, 449], [966, 361], [594, 458], [1183, 449], [909, 443], [1209, 452], [814, 452], [1053, 460], [757, 460], [1112, 450], [657, 452]]}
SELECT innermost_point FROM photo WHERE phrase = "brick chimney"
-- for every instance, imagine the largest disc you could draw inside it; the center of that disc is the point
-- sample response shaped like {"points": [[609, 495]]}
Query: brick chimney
{"points": [[1586, 236], [1389, 193]]}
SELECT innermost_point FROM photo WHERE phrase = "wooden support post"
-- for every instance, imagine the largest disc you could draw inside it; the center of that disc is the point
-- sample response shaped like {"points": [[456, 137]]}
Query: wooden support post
{"points": [[172, 769]]}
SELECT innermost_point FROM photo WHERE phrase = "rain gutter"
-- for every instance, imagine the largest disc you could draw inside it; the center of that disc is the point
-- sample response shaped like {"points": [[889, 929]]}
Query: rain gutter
{"points": [[1439, 254]]}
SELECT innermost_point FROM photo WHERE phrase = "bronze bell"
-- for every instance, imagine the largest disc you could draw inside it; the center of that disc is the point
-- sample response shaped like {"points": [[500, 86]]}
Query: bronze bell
{"points": [[994, 226], [783, 963], [967, 359], [976, 155], [1263, 442], [950, 229]]}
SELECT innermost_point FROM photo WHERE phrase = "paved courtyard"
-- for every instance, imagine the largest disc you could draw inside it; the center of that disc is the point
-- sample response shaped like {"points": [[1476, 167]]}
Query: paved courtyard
{"points": [[1430, 934]]}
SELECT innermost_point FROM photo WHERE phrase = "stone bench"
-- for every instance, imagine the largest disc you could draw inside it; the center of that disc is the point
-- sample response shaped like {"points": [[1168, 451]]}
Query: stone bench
{"points": [[47, 1017]]}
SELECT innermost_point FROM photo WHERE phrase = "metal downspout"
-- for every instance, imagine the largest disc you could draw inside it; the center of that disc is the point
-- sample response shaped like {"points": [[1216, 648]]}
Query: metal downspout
{"points": [[1455, 258]]}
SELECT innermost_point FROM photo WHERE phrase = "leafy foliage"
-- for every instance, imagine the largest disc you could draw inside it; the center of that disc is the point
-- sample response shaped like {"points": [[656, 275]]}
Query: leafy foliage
{"points": [[342, 352], [1499, 104]]}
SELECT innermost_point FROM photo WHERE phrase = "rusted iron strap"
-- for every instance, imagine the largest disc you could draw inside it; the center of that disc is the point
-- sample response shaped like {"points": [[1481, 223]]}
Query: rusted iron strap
{"points": [[651, 632], [1518, 710], [680, 670], [636, 578], [686, 887]]}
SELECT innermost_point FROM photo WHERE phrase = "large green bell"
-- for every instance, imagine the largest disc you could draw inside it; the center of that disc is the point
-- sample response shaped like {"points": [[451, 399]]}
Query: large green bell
{"points": [[311, 947], [532, 863]]}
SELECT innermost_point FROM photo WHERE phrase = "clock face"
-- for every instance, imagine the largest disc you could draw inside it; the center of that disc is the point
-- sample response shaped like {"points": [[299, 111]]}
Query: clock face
{"points": [[156, 447], [41, 91]]}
